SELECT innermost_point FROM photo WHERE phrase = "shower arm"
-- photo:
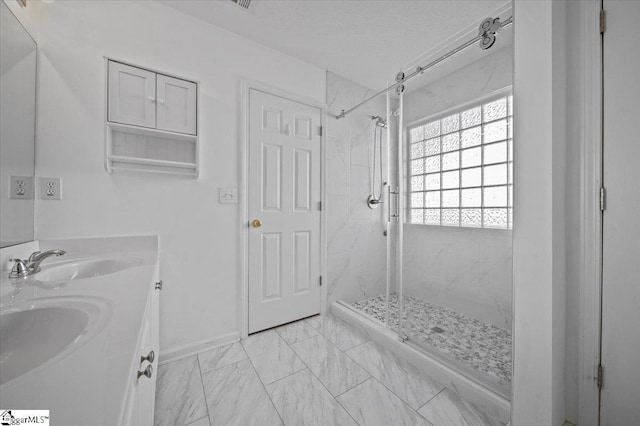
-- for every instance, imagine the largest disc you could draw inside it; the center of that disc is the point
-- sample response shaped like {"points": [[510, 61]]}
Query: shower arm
{"points": [[420, 70]]}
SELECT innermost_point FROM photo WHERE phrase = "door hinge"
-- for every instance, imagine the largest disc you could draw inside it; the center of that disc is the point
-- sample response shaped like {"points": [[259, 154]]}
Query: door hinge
{"points": [[320, 280], [320, 131], [603, 19], [603, 194], [600, 373], [159, 285], [320, 205]]}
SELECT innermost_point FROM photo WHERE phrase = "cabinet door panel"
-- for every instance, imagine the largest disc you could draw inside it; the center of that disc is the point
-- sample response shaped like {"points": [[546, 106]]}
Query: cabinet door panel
{"points": [[176, 105], [132, 95]]}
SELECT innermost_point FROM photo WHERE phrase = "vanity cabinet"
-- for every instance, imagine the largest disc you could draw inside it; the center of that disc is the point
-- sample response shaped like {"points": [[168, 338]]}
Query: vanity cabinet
{"points": [[140, 403], [151, 122]]}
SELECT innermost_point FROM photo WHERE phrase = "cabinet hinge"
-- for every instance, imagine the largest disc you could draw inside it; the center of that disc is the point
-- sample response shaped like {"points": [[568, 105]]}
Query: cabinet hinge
{"points": [[603, 194], [603, 19], [600, 373], [320, 280]]}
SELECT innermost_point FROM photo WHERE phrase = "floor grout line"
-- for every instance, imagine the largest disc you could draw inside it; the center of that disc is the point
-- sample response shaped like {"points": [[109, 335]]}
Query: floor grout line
{"points": [[382, 383], [264, 388], [197, 420], [320, 381], [204, 391], [431, 399]]}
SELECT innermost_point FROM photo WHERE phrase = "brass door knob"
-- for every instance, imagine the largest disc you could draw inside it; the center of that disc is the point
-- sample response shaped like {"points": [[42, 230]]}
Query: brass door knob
{"points": [[256, 223]]}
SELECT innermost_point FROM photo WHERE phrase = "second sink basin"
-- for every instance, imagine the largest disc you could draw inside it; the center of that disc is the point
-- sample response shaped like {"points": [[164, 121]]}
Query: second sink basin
{"points": [[86, 268], [38, 332]]}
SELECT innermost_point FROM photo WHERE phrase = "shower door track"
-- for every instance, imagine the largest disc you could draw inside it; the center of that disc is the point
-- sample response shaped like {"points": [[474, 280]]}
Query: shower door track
{"points": [[401, 78]]}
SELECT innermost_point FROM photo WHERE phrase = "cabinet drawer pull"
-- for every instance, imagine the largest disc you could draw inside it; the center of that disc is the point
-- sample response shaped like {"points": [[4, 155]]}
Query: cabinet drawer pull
{"points": [[159, 285], [147, 372], [150, 357]]}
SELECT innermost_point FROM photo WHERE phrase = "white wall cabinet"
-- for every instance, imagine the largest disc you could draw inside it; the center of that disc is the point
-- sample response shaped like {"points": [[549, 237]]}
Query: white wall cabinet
{"points": [[151, 123], [142, 391], [176, 110], [132, 95]]}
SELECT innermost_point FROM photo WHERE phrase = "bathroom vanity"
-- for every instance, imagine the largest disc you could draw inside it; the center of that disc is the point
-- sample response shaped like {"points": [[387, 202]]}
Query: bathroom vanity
{"points": [[80, 337]]}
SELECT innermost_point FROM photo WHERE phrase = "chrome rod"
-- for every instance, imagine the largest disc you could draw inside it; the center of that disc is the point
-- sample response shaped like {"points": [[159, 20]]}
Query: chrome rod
{"points": [[421, 70]]}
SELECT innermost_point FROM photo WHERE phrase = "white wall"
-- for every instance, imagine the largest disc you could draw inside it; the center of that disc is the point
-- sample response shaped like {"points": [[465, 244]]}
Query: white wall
{"points": [[199, 238], [465, 269], [356, 246], [539, 223]]}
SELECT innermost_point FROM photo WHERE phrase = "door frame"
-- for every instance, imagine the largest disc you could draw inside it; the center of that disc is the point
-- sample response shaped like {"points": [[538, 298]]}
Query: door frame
{"points": [[246, 85], [590, 81]]}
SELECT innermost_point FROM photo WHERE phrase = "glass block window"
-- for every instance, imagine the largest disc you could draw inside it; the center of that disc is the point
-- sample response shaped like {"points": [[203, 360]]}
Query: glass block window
{"points": [[461, 167]]}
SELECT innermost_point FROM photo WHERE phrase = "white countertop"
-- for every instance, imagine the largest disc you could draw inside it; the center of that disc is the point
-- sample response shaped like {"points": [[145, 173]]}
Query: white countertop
{"points": [[89, 385]]}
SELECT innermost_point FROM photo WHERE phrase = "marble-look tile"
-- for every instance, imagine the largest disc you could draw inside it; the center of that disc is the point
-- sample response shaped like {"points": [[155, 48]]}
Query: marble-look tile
{"points": [[272, 358], [315, 321], [179, 394], [221, 357], [447, 408], [200, 422], [235, 396], [372, 404], [302, 400], [360, 189], [337, 372], [296, 331], [339, 333], [406, 381]]}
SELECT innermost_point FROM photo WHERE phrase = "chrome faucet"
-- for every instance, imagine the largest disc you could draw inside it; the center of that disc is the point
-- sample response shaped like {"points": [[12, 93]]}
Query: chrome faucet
{"points": [[22, 268]]}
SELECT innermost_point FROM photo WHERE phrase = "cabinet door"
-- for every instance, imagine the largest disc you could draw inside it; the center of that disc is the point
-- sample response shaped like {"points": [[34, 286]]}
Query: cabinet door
{"points": [[176, 105], [132, 95]]}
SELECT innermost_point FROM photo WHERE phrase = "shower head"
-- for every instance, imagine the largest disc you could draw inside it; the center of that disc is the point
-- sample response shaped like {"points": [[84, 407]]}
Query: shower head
{"points": [[380, 122]]}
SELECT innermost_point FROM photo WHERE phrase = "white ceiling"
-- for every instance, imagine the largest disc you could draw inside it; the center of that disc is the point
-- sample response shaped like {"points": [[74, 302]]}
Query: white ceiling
{"points": [[366, 41]]}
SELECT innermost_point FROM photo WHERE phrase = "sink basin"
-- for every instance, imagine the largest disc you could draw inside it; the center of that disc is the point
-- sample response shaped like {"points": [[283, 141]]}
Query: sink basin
{"points": [[86, 268], [39, 332]]}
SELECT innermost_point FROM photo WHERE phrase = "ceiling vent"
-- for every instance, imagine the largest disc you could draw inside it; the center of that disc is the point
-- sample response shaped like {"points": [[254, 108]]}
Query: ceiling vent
{"points": [[245, 4]]}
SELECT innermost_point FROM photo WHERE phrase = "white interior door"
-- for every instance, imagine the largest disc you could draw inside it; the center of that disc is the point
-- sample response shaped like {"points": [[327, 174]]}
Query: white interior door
{"points": [[132, 95], [620, 394], [284, 210], [176, 105]]}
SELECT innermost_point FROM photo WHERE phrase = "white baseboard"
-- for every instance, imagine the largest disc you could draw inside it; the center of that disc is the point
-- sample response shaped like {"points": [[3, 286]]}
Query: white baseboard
{"points": [[486, 400], [197, 347]]}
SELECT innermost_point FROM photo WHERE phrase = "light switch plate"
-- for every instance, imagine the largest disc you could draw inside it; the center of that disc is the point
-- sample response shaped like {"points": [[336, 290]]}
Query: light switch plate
{"points": [[21, 187], [227, 195], [50, 188]]}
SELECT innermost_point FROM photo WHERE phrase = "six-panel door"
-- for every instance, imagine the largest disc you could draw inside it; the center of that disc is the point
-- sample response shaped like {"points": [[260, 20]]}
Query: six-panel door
{"points": [[283, 198]]}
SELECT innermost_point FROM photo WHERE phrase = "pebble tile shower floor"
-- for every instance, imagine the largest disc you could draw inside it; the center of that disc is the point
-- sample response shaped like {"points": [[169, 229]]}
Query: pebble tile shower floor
{"points": [[477, 344], [318, 371]]}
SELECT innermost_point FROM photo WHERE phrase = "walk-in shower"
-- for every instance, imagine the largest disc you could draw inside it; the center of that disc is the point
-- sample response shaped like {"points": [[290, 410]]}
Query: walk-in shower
{"points": [[441, 163]]}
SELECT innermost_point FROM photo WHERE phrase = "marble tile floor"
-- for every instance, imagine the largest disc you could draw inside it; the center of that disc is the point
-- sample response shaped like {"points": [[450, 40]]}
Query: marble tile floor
{"points": [[483, 347], [318, 371]]}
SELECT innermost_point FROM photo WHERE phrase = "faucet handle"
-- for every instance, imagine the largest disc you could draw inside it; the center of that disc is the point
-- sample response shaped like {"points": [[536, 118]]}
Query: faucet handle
{"points": [[19, 268], [33, 256]]}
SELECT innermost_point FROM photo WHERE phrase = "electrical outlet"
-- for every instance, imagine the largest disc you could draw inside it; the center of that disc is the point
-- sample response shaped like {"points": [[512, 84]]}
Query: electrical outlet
{"points": [[21, 187], [50, 188], [227, 195]]}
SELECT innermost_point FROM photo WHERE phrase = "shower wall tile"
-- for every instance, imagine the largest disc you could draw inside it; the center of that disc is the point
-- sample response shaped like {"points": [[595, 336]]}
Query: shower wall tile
{"points": [[356, 247], [360, 190], [338, 165]]}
